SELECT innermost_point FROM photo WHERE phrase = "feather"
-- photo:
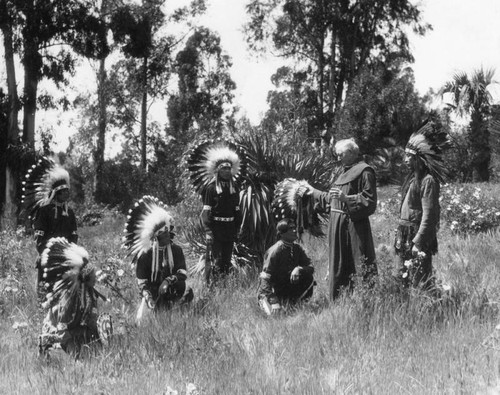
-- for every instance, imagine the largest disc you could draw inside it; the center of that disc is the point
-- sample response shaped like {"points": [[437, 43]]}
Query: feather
{"points": [[428, 143], [39, 184], [147, 216], [66, 269], [204, 159]]}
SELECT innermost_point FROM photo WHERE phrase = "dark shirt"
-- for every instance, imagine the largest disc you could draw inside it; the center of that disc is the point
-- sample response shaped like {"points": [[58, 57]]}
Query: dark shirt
{"points": [[145, 266], [279, 262], [50, 221]]}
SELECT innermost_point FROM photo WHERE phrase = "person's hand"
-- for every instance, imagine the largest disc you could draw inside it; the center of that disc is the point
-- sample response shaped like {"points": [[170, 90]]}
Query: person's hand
{"points": [[417, 252], [209, 238], [304, 190], [275, 308], [149, 299], [294, 277], [336, 193]]}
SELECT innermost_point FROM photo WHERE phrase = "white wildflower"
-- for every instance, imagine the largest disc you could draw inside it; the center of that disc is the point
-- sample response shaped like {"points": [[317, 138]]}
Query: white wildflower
{"points": [[19, 325], [191, 389], [120, 272], [405, 275]]}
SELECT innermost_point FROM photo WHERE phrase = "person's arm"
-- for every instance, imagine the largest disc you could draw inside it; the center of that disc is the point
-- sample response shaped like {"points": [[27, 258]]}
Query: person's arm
{"points": [[179, 272], [40, 227], [364, 203], [267, 275], [429, 192], [205, 216], [73, 237]]}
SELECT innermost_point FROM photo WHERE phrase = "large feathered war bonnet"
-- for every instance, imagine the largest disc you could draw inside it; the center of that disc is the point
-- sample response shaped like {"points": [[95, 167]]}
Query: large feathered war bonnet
{"points": [[68, 276], [41, 183], [428, 144], [291, 201], [208, 157], [145, 222]]}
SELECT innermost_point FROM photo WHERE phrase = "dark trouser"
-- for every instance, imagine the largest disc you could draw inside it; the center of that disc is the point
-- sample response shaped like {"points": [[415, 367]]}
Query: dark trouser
{"points": [[301, 291], [175, 293], [414, 270], [222, 252]]}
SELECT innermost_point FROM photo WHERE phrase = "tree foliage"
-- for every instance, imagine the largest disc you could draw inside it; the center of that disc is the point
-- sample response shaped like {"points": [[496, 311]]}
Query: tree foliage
{"points": [[471, 96], [335, 39]]}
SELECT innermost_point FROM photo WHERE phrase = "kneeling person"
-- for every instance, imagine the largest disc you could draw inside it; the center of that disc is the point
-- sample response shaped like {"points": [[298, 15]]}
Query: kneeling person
{"points": [[287, 276], [161, 272], [161, 267]]}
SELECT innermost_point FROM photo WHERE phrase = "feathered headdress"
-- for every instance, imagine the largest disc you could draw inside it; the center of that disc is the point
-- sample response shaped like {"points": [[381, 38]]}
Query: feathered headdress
{"points": [[41, 183], [207, 158], [428, 143], [289, 203], [68, 277], [145, 221]]}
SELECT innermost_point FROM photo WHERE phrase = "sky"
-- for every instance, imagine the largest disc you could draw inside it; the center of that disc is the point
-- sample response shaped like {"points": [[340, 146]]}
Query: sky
{"points": [[465, 36]]}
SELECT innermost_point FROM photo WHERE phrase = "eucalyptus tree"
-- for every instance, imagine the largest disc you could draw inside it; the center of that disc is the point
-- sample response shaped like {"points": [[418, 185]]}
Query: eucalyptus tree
{"points": [[148, 50], [45, 35], [334, 38], [471, 96]]}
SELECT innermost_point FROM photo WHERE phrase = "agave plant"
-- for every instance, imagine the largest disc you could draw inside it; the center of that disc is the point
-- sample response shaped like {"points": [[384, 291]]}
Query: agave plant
{"points": [[268, 166]]}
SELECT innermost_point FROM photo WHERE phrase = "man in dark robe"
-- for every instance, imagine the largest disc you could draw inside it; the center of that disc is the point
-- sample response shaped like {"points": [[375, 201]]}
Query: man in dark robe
{"points": [[287, 275], [351, 201]]}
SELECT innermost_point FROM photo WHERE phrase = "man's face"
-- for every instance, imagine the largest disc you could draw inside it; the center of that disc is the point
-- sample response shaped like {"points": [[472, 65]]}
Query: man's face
{"points": [[410, 160], [62, 195], [225, 173], [291, 234], [163, 238], [346, 156]]}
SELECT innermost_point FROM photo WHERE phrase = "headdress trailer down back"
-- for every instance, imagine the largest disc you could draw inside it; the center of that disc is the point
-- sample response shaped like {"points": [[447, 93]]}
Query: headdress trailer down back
{"points": [[41, 183], [428, 143], [288, 203], [207, 157], [145, 221], [67, 273]]}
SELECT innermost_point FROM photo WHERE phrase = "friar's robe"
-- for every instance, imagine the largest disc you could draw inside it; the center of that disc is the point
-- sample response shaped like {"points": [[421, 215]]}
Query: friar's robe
{"points": [[350, 241]]}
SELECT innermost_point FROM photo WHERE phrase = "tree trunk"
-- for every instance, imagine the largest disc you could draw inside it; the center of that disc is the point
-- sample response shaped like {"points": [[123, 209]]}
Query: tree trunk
{"points": [[480, 147], [7, 178], [144, 112], [101, 132], [31, 63]]}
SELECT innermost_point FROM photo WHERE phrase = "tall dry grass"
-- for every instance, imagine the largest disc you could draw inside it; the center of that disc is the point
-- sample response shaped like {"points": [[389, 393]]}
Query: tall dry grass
{"points": [[376, 341]]}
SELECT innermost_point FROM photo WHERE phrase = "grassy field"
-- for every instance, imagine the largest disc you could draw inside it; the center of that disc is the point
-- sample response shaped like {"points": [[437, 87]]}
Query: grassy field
{"points": [[375, 341]]}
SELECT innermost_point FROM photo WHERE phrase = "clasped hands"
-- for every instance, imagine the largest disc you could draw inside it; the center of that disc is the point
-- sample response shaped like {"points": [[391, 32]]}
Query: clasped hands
{"points": [[337, 193]]}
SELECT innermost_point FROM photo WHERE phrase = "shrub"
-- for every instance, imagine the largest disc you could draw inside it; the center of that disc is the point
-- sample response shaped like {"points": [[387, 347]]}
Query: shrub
{"points": [[469, 208]]}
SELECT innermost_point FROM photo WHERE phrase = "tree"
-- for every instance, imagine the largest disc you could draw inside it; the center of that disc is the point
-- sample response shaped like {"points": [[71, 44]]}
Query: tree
{"points": [[335, 39], [382, 108], [291, 117], [470, 96]]}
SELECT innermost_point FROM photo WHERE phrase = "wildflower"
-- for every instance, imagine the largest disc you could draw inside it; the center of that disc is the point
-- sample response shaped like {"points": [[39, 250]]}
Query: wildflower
{"points": [[405, 275], [120, 272], [421, 254], [19, 325], [407, 263], [191, 389]]}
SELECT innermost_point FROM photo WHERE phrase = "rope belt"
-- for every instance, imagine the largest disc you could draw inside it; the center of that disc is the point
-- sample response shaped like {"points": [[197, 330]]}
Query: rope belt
{"points": [[405, 222], [336, 210], [223, 219]]}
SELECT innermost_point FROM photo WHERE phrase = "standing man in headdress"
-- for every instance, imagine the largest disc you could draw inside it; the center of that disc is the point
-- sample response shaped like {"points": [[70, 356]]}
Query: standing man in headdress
{"points": [[161, 266], [46, 195], [351, 201], [221, 216], [216, 167], [419, 213]]}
